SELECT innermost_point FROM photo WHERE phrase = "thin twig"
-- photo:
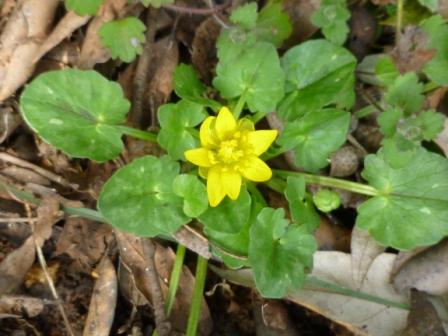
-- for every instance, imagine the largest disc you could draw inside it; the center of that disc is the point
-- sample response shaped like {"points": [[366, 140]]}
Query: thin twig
{"points": [[195, 11], [19, 220], [212, 7], [39, 170], [141, 73], [163, 325]]}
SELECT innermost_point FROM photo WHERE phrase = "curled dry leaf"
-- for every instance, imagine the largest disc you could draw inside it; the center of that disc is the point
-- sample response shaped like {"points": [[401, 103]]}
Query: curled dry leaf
{"points": [[103, 302], [65, 27], [20, 40], [15, 266], [364, 251], [427, 271], [21, 305]]}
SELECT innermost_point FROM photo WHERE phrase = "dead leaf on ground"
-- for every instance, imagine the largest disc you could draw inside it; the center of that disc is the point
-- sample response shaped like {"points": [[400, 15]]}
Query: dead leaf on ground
{"points": [[103, 302], [364, 250], [299, 13], [423, 318], [21, 305], [20, 40], [84, 241], [426, 271], [359, 316], [9, 121], [272, 319]]}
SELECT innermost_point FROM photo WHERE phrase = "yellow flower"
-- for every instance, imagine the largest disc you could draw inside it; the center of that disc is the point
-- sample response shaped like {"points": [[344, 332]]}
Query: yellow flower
{"points": [[229, 152]]}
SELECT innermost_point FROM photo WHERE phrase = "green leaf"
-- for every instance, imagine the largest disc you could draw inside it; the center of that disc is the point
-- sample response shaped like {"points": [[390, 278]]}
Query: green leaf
{"points": [[406, 93], [193, 192], [327, 200], [83, 7], [437, 32], [228, 224], [318, 74], [432, 5], [430, 124], [188, 86], [229, 216], [245, 16], [273, 25], [300, 205], [332, 17], [177, 122], [139, 198], [386, 71], [81, 122], [254, 72], [411, 208], [388, 121], [315, 136], [156, 3], [123, 38], [279, 253]]}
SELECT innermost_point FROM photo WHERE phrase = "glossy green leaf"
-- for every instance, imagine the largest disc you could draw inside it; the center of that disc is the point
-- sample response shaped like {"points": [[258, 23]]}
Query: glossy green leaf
{"points": [[193, 192], [411, 208], [437, 31], [177, 122], [273, 25], [315, 136], [386, 70], [279, 253], [81, 122], [123, 38], [83, 7], [332, 17], [245, 16], [318, 74], [406, 93], [254, 72], [139, 198], [300, 205]]}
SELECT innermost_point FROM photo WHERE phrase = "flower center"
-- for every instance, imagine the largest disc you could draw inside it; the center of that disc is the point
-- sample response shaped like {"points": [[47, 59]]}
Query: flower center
{"points": [[229, 152]]}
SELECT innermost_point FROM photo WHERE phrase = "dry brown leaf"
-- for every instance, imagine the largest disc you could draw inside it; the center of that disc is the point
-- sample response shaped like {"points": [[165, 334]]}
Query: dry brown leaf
{"points": [[272, 319], [20, 39], [9, 121], [300, 13], [427, 271], [21, 305], [64, 29], [423, 318], [92, 50], [364, 250], [103, 302]]}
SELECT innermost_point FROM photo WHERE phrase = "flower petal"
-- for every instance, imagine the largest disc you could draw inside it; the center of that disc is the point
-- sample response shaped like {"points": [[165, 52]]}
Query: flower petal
{"points": [[232, 183], [261, 140], [199, 156], [245, 124], [256, 170], [215, 187], [206, 132], [203, 172], [225, 123]]}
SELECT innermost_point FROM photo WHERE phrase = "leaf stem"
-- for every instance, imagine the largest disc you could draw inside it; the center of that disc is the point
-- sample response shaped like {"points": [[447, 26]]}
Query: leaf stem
{"points": [[175, 277], [196, 302], [240, 105], [355, 187], [139, 134], [399, 22]]}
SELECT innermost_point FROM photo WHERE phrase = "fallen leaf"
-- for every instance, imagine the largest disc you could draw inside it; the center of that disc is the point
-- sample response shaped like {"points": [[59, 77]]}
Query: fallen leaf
{"points": [[25, 306], [364, 250], [427, 271], [271, 319], [103, 302], [20, 40]]}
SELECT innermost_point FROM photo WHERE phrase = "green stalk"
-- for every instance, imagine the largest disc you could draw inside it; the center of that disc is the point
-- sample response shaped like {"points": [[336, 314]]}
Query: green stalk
{"points": [[139, 134], [240, 105], [313, 283], [175, 277], [195, 310], [331, 182], [399, 23]]}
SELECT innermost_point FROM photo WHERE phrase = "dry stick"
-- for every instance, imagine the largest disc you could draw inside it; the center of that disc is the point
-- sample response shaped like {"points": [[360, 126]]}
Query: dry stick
{"points": [[141, 73], [163, 326], [211, 5], [25, 164], [43, 265], [195, 11]]}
